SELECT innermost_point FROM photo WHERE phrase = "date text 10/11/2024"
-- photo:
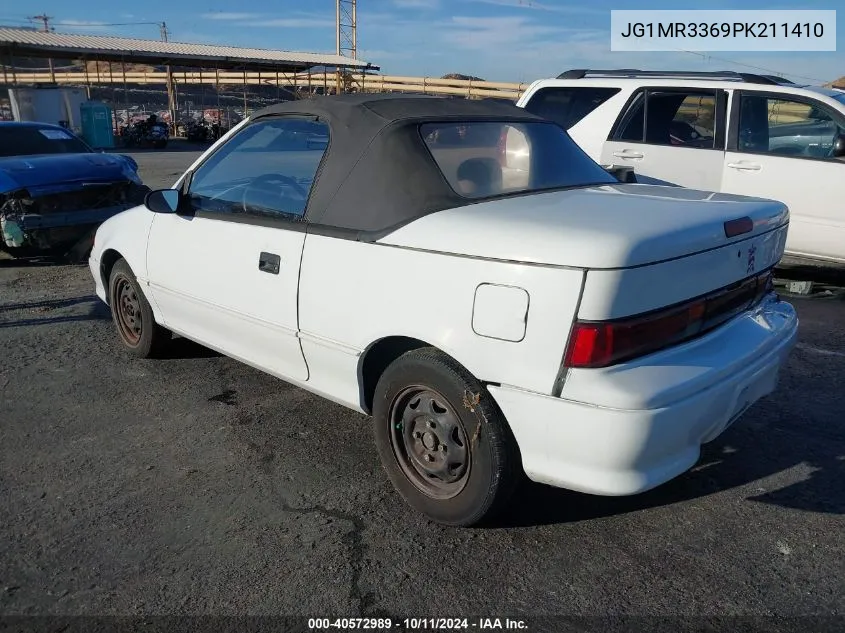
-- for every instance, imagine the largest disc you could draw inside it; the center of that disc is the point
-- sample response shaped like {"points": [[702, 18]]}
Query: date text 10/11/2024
{"points": [[418, 624]]}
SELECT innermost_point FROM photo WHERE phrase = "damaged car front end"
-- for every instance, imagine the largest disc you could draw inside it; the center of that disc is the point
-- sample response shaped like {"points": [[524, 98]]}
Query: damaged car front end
{"points": [[55, 190]]}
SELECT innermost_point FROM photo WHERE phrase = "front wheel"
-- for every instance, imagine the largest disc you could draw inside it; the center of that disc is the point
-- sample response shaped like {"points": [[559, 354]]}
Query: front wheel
{"points": [[443, 440], [132, 315]]}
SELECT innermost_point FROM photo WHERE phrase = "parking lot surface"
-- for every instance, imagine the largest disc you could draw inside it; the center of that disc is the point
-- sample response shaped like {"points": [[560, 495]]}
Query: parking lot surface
{"points": [[198, 485]]}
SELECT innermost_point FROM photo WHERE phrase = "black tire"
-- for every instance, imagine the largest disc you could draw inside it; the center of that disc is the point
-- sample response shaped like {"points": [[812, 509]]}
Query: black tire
{"points": [[491, 465], [132, 315]]}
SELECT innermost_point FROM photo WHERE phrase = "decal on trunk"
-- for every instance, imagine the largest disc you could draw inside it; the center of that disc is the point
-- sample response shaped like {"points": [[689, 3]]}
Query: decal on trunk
{"points": [[751, 263]]}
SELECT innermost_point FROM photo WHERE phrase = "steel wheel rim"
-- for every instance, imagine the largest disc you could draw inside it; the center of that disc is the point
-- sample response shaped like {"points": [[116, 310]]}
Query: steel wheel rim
{"points": [[128, 311], [429, 442]]}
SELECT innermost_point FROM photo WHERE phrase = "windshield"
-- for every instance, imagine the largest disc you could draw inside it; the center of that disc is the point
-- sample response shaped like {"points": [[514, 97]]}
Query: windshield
{"points": [[482, 159], [29, 140]]}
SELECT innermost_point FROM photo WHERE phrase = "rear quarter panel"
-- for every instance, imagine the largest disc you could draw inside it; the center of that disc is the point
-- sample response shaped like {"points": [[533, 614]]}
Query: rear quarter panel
{"points": [[353, 294]]}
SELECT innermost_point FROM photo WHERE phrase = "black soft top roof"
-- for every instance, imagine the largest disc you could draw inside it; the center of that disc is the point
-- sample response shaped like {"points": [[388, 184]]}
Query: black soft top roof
{"points": [[377, 173]]}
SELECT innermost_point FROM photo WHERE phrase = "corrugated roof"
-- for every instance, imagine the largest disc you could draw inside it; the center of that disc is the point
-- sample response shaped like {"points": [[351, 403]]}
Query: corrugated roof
{"points": [[26, 42]]}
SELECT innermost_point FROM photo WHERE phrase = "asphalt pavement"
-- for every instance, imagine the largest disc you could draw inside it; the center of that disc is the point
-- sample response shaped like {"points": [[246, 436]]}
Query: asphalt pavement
{"points": [[197, 485]]}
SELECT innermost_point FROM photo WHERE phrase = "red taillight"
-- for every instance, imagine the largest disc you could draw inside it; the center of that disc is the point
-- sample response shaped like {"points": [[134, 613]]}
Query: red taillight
{"points": [[739, 226], [593, 345], [588, 344]]}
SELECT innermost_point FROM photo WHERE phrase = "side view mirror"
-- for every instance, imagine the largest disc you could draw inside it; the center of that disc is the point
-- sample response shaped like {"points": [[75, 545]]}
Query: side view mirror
{"points": [[162, 200], [839, 146]]}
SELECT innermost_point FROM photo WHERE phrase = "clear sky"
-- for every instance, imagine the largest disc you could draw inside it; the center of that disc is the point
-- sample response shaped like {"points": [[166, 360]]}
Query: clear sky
{"points": [[499, 40]]}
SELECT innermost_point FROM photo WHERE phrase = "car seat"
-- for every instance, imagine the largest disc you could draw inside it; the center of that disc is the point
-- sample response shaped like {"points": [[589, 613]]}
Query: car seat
{"points": [[479, 177]]}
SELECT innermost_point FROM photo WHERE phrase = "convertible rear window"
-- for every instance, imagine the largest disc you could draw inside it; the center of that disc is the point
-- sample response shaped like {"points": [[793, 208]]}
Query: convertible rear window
{"points": [[482, 159]]}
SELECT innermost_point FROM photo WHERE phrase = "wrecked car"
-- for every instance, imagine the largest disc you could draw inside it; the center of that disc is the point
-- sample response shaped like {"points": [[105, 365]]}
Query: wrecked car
{"points": [[55, 190]]}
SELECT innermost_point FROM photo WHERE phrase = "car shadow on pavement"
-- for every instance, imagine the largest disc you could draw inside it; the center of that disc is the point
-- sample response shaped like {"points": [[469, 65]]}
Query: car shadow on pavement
{"points": [[184, 349], [97, 311], [48, 304], [32, 261], [828, 276], [732, 461]]}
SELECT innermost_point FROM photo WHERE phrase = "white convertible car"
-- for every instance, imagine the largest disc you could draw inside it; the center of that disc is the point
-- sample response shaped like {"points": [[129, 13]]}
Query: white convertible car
{"points": [[493, 318]]}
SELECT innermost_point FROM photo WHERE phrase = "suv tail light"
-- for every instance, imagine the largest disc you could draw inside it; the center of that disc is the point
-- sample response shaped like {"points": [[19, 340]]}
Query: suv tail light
{"points": [[595, 344]]}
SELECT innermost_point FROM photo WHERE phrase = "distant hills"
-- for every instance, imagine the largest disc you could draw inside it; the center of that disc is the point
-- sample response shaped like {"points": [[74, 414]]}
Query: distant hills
{"points": [[462, 77]]}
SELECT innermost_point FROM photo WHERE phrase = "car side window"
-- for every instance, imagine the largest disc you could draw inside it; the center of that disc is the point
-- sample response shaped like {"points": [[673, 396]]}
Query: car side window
{"points": [[266, 169], [673, 118], [785, 127], [567, 106]]}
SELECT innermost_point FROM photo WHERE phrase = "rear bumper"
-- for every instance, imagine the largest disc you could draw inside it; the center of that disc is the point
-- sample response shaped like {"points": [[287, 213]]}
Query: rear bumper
{"points": [[612, 451]]}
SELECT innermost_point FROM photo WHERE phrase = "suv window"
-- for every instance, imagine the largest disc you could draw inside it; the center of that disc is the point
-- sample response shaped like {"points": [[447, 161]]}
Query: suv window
{"points": [[265, 169], [674, 118], [785, 127], [567, 106], [486, 159]]}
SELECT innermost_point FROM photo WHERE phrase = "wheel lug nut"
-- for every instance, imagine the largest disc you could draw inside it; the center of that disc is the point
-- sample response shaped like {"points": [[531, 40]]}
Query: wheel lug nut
{"points": [[431, 424], [428, 458], [442, 448], [417, 435]]}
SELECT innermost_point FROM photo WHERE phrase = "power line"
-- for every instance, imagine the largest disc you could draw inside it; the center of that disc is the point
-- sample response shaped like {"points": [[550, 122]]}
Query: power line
{"points": [[118, 24], [164, 32], [753, 67]]}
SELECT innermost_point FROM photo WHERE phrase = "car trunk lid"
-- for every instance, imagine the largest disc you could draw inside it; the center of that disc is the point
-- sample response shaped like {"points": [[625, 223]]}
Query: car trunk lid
{"points": [[599, 228]]}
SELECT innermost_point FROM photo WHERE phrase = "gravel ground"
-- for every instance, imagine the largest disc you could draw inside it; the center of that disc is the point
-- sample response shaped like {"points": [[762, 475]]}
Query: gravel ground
{"points": [[197, 485]]}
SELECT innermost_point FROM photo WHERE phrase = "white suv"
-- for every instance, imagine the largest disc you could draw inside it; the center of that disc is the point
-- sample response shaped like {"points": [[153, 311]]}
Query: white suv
{"points": [[754, 135]]}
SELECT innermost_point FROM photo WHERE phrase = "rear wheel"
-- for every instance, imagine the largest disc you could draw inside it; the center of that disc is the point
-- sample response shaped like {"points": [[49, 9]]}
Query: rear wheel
{"points": [[132, 315], [442, 439]]}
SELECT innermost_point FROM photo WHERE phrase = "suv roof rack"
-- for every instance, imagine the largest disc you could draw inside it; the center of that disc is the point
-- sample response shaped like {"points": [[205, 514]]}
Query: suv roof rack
{"points": [[630, 72], [780, 80]]}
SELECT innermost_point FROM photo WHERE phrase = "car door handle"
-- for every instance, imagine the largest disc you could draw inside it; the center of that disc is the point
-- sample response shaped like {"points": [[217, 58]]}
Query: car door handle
{"points": [[745, 166], [269, 263], [628, 154]]}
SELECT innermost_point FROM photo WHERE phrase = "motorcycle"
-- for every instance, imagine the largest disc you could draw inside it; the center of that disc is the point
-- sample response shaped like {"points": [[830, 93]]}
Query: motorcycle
{"points": [[144, 134], [197, 131]]}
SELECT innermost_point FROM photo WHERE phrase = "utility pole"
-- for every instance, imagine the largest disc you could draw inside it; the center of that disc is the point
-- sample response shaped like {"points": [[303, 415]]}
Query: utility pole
{"points": [[171, 99], [45, 20], [347, 33]]}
